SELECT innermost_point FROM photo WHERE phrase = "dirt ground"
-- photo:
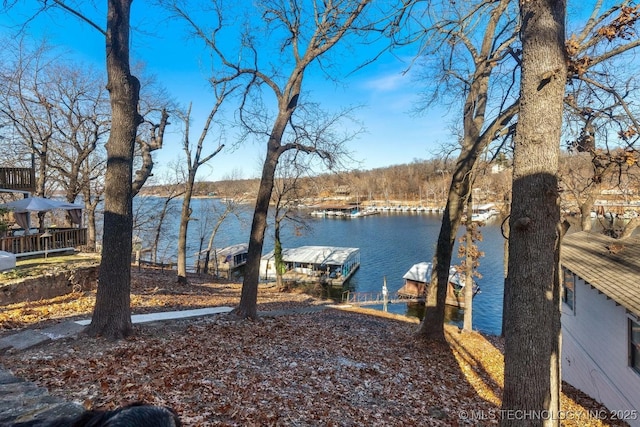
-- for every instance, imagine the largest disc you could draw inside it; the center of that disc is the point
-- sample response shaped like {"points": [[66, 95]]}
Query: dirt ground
{"points": [[332, 367]]}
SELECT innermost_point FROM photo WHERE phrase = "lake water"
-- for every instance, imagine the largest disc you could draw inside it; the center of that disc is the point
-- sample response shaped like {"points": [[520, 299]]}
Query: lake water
{"points": [[390, 243]]}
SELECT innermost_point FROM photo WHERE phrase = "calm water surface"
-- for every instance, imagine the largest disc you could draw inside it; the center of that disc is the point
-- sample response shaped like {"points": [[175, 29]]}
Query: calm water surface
{"points": [[390, 243]]}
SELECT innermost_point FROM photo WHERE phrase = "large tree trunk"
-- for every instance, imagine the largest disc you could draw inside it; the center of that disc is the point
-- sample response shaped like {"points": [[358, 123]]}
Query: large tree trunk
{"points": [[249, 296], [532, 316], [432, 326], [112, 312], [630, 228], [478, 134]]}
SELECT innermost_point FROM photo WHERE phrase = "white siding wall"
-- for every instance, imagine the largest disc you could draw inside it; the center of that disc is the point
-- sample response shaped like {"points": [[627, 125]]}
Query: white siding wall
{"points": [[267, 269], [595, 351]]}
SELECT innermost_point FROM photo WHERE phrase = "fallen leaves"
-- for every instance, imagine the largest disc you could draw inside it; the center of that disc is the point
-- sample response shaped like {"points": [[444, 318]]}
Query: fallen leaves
{"points": [[330, 367]]}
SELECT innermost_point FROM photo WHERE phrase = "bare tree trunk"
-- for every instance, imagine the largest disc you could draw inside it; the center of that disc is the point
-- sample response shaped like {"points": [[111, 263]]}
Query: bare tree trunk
{"points": [[249, 296], [112, 312], [185, 217], [505, 265], [90, 210], [585, 211], [630, 228], [532, 317], [277, 256], [158, 233], [193, 163], [230, 207], [432, 326], [467, 322]]}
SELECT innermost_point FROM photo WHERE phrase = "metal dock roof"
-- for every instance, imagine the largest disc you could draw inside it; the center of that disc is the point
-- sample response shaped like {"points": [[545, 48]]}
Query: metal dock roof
{"points": [[323, 255]]}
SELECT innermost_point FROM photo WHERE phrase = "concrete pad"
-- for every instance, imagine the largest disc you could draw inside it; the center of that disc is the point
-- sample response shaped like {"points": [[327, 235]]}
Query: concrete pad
{"points": [[170, 315], [30, 338], [7, 261], [62, 330], [23, 340]]}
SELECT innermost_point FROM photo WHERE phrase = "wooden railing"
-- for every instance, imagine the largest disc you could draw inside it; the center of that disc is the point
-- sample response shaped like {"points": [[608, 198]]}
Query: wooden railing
{"points": [[55, 241], [17, 179]]}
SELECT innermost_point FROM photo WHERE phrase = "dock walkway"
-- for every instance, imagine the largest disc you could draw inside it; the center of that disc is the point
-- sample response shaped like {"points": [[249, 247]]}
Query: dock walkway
{"points": [[374, 298]]}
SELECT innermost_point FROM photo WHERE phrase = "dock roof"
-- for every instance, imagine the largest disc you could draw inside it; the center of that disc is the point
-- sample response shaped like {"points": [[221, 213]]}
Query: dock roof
{"points": [[323, 255], [420, 272], [234, 249], [611, 266]]}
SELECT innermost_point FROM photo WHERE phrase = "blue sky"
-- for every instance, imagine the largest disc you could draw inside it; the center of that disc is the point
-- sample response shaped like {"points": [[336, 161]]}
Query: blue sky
{"points": [[392, 135]]}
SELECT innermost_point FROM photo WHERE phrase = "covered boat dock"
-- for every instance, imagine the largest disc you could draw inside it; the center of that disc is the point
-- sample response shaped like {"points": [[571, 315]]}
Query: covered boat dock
{"points": [[329, 265], [419, 276]]}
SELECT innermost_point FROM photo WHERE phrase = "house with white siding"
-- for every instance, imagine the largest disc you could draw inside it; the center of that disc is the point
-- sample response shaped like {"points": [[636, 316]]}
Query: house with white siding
{"points": [[601, 320]]}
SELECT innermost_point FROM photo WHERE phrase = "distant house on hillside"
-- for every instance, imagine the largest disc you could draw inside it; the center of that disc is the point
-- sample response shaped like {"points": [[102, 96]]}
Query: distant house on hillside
{"points": [[601, 319], [342, 190]]}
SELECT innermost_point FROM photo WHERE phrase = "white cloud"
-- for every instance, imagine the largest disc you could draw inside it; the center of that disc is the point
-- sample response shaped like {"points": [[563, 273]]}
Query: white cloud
{"points": [[388, 82]]}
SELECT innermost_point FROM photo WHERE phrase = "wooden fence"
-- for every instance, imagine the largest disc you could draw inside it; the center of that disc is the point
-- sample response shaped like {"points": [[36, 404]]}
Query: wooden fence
{"points": [[52, 241], [17, 179]]}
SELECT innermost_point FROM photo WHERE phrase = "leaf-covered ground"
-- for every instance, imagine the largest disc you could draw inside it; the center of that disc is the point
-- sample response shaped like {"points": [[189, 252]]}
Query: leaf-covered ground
{"points": [[327, 368]]}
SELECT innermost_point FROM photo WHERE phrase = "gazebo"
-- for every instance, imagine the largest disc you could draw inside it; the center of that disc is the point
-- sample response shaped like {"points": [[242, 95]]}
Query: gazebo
{"points": [[44, 241]]}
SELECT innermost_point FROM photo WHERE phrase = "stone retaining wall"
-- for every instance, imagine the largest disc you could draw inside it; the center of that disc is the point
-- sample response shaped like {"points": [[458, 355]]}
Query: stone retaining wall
{"points": [[49, 285]]}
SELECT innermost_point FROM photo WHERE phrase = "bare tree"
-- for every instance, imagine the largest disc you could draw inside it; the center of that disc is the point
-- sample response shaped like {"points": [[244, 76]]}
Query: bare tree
{"points": [[286, 196], [470, 43], [195, 159], [600, 113], [82, 123], [92, 194], [231, 206], [304, 34], [26, 88], [469, 251], [59, 112], [154, 106], [112, 312], [532, 317], [486, 33], [153, 236], [174, 191]]}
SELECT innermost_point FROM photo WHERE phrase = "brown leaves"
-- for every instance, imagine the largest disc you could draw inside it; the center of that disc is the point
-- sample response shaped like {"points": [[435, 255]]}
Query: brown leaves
{"points": [[330, 368], [577, 65], [622, 26]]}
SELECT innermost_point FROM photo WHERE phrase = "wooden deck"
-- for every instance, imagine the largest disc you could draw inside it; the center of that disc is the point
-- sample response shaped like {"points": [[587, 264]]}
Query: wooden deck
{"points": [[21, 179], [60, 240]]}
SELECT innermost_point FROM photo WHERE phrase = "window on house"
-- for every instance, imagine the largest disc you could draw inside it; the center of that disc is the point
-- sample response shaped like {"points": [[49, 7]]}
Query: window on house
{"points": [[568, 290], [634, 345]]}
